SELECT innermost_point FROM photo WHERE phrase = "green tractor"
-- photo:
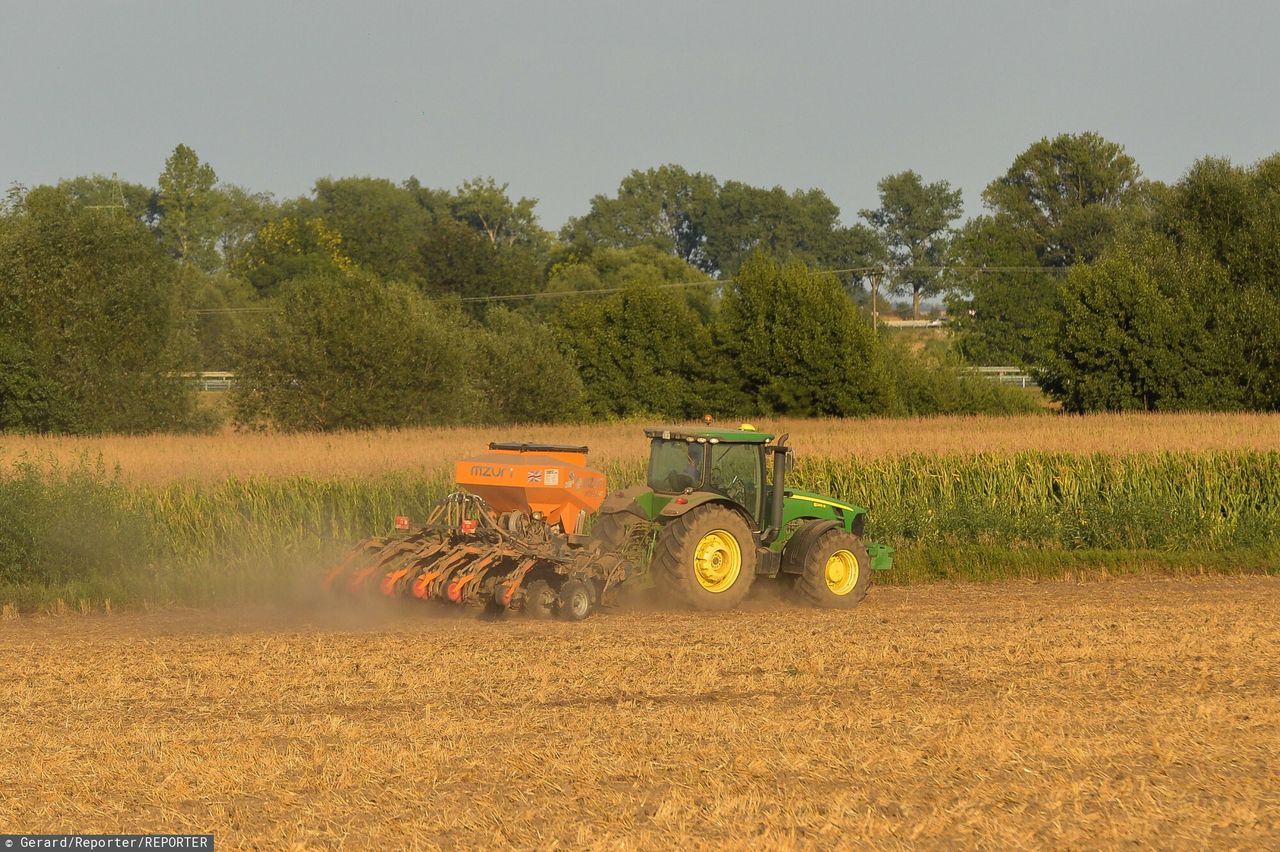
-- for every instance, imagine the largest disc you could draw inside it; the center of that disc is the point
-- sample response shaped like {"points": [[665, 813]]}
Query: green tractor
{"points": [[710, 521], [533, 530]]}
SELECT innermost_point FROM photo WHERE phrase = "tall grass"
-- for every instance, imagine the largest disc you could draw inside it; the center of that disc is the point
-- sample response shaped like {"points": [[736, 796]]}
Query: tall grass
{"points": [[82, 533]]}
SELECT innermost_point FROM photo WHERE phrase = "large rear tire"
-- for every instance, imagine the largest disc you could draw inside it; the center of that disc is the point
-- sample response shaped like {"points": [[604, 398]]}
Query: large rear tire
{"points": [[705, 559], [836, 573], [609, 532]]}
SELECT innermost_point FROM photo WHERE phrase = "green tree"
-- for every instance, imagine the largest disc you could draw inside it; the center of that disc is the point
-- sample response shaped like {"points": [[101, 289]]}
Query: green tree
{"points": [[574, 269], [240, 214], [351, 352], [643, 351], [913, 221], [664, 207], [1003, 309], [92, 333], [928, 383], [1132, 336], [715, 227], [792, 343], [381, 224], [1232, 214], [1066, 194], [454, 259], [110, 193], [1060, 203], [1251, 331], [225, 307], [187, 208], [485, 206], [521, 376], [804, 225], [290, 247]]}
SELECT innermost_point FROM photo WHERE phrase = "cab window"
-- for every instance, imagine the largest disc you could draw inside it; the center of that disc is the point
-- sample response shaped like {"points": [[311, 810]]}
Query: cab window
{"points": [[735, 473], [676, 465]]}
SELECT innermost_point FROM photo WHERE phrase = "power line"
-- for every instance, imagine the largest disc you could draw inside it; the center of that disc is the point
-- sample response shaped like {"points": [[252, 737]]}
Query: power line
{"points": [[678, 285], [715, 282]]}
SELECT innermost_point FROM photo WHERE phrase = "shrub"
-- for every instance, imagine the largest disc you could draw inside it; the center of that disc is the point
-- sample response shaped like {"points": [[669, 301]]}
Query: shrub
{"points": [[348, 352]]}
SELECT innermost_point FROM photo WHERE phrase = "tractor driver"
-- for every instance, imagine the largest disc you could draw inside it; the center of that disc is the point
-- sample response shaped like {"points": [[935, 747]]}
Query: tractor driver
{"points": [[690, 476]]}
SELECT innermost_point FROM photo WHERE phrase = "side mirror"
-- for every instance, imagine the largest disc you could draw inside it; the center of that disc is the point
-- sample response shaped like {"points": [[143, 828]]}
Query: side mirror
{"points": [[791, 462]]}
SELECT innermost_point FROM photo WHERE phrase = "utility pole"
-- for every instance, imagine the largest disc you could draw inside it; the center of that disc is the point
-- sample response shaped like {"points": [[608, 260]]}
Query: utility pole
{"points": [[875, 306], [118, 200]]}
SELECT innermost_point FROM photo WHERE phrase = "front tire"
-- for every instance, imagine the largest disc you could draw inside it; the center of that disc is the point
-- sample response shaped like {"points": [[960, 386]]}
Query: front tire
{"points": [[539, 600], [705, 559], [575, 600], [836, 573]]}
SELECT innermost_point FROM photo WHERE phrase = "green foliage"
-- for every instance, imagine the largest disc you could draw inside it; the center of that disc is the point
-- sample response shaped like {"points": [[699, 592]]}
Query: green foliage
{"points": [[520, 374], [1183, 312], [92, 331], [1252, 336], [1132, 334], [604, 268], [791, 343], [1172, 301], [913, 221], [715, 227], [802, 225], [1060, 203], [485, 206], [240, 214], [380, 224], [663, 207], [928, 384], [58, 527], [187, 208], [229, 308], [103, 193], [1234, 212], [1066, 194], [1034, 499], [454, 259], [290, 247], [641, 351], [350, 352], [31, 399]]}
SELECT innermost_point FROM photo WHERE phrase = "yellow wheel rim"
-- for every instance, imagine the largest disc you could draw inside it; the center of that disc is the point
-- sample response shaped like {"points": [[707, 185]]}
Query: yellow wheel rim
{"points": [[717, 561], [842, 572]]}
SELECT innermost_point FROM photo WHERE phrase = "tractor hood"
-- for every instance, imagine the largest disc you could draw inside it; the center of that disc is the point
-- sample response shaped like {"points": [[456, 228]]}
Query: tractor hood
{"points": [[819, 501]]}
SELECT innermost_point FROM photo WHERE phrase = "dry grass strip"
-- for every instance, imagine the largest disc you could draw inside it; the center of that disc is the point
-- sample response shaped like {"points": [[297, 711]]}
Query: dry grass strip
{"points": [[163, 458]]}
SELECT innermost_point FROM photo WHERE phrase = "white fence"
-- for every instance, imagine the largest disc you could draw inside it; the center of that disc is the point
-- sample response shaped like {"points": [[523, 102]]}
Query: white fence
{"points": [[212, 381], [1007, 376], [222, 380]]}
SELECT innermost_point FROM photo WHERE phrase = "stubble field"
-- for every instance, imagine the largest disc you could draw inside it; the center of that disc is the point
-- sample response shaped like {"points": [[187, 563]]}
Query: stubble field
{"points": [[1134, 711]]}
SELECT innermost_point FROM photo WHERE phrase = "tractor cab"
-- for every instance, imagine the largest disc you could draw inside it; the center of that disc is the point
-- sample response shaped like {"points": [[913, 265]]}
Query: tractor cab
{"points": [[729, 462]]}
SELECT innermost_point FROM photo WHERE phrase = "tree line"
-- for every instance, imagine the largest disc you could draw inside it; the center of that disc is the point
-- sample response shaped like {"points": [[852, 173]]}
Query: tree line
{"points": [[371, 302]]}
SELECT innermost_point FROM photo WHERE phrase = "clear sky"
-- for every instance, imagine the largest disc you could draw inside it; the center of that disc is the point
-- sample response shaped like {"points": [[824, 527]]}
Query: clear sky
{"points": [[561, 99]]}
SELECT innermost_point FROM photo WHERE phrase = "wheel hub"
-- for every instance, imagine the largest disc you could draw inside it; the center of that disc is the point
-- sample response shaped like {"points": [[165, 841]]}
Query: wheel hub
{"points": [[842, 572], [717, 561]]}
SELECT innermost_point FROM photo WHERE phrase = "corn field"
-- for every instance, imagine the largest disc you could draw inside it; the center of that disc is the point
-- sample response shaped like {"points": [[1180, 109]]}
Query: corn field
{"points": [[83, 534]]}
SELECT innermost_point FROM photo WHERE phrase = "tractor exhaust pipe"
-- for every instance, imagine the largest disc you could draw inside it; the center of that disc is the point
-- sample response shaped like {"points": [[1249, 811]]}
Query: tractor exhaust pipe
{"points": [[779, 450]]}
